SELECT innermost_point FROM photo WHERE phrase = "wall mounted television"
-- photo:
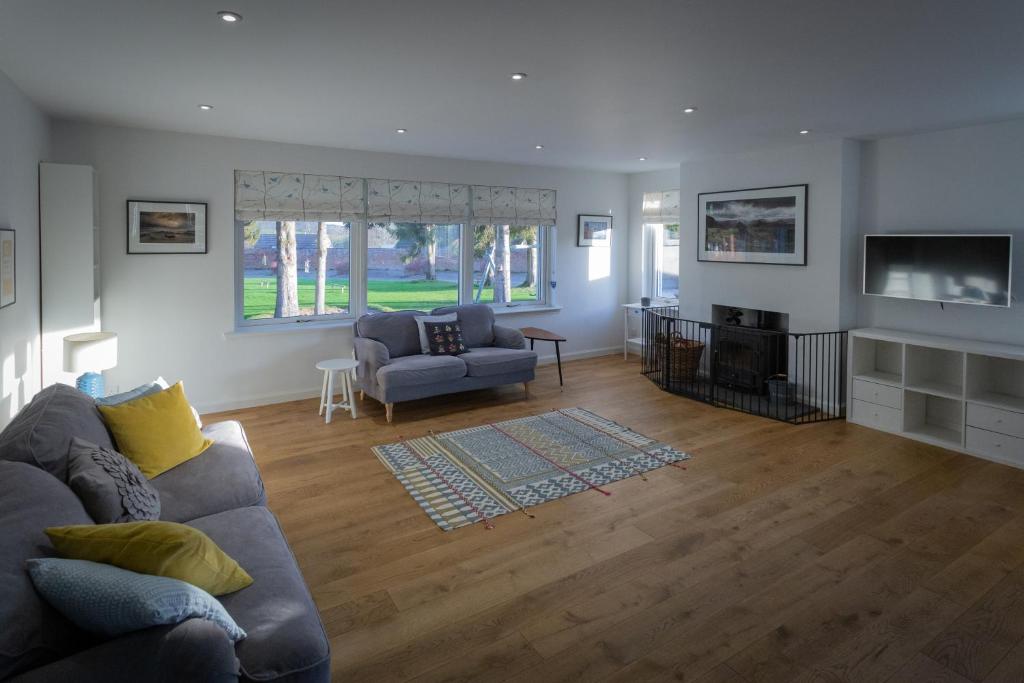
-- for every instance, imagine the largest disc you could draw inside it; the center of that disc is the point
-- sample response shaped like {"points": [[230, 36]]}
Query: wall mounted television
{"points": [[961, 269]]}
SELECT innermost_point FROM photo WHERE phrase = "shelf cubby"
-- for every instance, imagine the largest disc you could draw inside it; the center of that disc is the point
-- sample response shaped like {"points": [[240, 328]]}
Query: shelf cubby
{"points": [[877, 360], [933, 418], [938, 372], [996, 382]]}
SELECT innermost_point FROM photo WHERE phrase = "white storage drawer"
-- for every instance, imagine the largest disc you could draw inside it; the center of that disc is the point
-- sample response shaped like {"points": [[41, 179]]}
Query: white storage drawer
{"points": [[877, 416], [995, 420], [992, 444], [881, 394]]}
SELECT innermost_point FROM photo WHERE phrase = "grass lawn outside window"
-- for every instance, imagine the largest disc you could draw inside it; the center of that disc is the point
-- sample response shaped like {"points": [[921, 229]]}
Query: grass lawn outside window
{"points": [[382, 295]]}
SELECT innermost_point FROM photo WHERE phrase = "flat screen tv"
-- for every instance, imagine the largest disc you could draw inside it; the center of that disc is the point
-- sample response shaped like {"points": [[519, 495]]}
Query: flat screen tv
{"points": [[961, 269]]}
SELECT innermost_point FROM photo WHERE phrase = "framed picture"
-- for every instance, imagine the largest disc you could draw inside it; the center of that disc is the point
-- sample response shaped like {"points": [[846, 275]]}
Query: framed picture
{"points": [[761, 225], [8, 282], [594, 231], [166, 227]]}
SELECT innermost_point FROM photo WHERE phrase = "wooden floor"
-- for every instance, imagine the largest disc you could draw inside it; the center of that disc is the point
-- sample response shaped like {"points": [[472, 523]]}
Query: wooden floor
{"points": [[825, 552]]}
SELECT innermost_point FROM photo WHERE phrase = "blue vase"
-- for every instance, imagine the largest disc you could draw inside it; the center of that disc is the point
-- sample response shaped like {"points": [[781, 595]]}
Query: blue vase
{"points": [[91, 383]]}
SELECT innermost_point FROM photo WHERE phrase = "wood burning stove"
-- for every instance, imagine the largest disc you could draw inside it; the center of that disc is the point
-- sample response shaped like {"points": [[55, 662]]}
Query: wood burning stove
{"points": [[749, 347]]}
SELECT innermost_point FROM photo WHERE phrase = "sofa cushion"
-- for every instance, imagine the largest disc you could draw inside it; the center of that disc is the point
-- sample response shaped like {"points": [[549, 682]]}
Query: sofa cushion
{"points": [[445, 339], [477, 322], [285, 637], [488, 361], [33, 633], [396, 330], [419, 369], [222, 477], [41, 433], [111, 601], [422, 320], [110, 486]]}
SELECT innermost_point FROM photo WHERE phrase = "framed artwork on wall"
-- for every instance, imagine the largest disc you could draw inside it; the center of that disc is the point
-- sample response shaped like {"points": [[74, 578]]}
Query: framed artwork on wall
{"points": [[759, 225], [8, 282], [166, 227], [594, 231]]}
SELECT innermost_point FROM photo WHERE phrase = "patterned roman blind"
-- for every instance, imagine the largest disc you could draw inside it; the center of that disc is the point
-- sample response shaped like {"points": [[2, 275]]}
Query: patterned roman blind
{"points": [[265, 195], [661, 207]]}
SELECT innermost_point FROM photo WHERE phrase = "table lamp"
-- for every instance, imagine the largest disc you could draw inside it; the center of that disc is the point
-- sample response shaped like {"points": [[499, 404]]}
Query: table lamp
{"points": [[90, 353]]}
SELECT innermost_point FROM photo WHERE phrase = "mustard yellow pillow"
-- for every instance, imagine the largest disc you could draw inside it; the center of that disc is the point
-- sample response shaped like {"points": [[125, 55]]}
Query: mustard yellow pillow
{"points": [[156, 432], [158, 548]]}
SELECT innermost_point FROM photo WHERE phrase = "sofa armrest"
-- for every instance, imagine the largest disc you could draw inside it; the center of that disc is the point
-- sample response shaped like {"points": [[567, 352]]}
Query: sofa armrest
{"points": [[194, 650], [508, 338], [372, 356]]}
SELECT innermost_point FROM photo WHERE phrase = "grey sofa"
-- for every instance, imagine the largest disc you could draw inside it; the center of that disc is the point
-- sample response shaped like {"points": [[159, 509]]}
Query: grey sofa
{"points": [[392, 367], [219, 492]]}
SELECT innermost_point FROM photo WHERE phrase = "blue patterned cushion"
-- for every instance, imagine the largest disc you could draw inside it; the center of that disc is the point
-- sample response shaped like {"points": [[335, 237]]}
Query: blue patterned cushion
{"points": [[109, 601], [131, 395]]}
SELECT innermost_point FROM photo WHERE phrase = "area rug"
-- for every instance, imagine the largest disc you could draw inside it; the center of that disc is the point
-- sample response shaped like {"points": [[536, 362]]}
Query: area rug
{"points": [[477, 474]]}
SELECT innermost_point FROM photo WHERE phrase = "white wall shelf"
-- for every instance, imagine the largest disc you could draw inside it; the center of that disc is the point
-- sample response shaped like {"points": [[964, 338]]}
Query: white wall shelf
{"points": [[960, 394]]}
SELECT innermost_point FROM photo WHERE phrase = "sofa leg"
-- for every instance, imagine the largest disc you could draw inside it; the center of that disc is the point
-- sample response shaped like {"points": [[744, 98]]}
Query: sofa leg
{"points": [[362, 395], [526, 388], [389, 411]]}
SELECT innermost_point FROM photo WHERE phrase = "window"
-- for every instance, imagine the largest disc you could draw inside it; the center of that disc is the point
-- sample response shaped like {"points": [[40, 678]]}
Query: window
{"points": [[661, 244], [294, 270], [412, 266], [508, 265], [665, 270], [316, 247]]}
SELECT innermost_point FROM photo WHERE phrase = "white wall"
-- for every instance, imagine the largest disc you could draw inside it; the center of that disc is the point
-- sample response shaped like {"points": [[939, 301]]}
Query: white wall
{"points": [[963, 180], [650, 181], [171, 313], [24, 142], [814, 294]]}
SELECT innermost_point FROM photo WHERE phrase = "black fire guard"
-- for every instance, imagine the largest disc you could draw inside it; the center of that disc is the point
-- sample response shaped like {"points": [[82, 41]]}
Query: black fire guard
{"points": [[788, 376]]}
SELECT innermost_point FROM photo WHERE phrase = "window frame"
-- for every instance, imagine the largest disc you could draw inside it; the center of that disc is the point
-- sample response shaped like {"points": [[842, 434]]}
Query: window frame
{"points": [[358, 282], [654, 248]]}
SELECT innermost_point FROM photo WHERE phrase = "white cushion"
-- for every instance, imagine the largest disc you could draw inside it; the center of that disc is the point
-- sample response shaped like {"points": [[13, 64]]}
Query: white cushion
{"points": [[420, 319]]}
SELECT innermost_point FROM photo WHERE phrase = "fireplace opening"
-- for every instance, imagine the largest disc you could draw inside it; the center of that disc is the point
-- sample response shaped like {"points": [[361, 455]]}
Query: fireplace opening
{"points": [[750, 347]]}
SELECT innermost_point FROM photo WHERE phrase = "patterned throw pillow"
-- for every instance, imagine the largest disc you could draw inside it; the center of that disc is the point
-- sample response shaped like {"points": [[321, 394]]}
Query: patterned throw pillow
{"points": [[445, 338], [111, 487], [109, 601]]}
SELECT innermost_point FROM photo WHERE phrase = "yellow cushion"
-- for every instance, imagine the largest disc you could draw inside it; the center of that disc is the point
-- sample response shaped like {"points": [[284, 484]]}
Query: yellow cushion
{"points": [[156, 432], [159, 548]]}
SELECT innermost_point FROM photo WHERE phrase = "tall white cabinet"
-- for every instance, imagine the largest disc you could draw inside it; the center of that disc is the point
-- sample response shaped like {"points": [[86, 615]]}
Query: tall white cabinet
{"points": [[69, 255], [957, 393]]}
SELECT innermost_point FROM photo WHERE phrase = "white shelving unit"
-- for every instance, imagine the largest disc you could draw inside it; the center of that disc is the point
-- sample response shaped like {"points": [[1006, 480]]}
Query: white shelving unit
{"points": [[960, 394]]}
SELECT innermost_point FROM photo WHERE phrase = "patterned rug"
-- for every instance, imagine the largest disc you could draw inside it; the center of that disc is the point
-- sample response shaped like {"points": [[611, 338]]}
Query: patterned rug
{"points": [[474, 475]]}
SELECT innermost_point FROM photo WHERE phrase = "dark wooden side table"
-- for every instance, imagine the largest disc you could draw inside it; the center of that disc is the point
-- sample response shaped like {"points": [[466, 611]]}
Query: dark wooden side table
{"points": [[536, 333]]}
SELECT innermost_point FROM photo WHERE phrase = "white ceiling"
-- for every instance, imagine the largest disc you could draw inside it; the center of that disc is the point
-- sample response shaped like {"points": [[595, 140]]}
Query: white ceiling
{"points": [[606, 80]]}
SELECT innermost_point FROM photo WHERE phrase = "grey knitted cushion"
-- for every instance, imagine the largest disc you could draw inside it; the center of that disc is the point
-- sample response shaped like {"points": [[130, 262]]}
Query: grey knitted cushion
{"points": [[110, 486]]}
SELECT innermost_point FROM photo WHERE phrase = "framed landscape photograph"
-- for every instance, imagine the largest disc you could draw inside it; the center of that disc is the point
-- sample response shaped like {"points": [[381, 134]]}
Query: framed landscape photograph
{"points": [[166, 227], [594, 231], [760, 225], [8, 283]]}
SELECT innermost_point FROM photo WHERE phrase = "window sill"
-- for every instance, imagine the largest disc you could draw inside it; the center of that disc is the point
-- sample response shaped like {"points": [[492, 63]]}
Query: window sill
{"points": [[286, 328], [509, 310]]}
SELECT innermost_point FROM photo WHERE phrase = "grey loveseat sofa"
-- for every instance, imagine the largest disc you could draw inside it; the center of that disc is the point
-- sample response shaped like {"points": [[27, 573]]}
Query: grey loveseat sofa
{"points": [[219, 492], [392, 367]]}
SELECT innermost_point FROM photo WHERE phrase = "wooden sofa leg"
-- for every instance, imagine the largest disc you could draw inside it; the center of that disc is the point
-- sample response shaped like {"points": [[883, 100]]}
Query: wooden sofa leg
{"points": [[526, 388], [362, 395], [389, 410]]}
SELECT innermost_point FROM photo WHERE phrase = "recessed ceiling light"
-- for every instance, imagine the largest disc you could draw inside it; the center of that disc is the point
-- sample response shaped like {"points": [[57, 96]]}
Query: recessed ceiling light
{"points": [[206, 107], [400, 131], [538, 146], [641, 158], [804, 132], [689, 110], [229, 17], [518, 76]]}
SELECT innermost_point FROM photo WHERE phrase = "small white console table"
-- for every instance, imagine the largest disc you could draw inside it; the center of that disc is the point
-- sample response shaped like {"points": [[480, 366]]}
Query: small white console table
{"points": [[960, 394]]}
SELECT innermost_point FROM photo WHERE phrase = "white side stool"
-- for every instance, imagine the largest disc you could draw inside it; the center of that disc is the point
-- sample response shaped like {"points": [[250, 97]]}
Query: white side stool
{"points": [[346, 366]]}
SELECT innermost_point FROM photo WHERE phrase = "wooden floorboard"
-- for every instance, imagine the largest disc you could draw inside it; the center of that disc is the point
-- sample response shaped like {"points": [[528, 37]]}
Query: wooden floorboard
{"points": [[823, 552]]}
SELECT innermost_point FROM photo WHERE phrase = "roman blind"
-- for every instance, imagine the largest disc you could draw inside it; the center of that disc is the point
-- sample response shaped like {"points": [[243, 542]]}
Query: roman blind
{"points": [[661, 207], [265, 195]]}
